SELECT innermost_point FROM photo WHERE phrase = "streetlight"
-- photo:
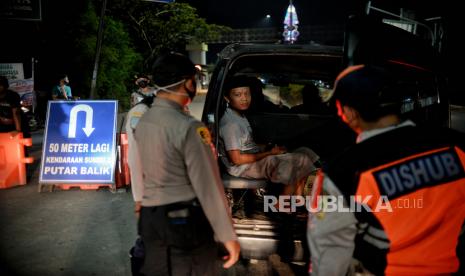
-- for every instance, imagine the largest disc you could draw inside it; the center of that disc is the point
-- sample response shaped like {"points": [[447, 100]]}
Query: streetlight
{"points": [[264, 21]]}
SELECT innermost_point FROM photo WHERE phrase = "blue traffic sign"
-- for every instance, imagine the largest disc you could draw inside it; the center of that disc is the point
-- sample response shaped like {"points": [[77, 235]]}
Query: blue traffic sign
{"points": [[79, 142]]}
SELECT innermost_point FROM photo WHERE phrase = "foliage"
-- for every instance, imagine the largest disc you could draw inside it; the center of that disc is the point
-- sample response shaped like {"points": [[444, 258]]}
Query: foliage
{"points": [[159, 28], [118, 59], [135, 33]]}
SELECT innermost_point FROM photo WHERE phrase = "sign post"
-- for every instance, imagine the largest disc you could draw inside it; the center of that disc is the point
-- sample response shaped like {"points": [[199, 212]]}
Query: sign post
{"points": [[79, 143]]}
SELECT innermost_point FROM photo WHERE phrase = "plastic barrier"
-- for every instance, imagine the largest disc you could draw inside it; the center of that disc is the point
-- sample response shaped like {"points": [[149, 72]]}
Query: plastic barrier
{"points": [[52, 187], [123, 176], [12, 159], [84, 186]]}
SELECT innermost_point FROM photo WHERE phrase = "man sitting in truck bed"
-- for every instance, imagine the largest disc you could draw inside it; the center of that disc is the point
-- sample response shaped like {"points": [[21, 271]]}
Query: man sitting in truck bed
{"points": [[244, 158]]}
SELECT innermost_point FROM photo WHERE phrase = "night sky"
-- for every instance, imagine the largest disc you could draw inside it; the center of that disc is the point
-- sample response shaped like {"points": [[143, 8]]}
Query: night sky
{"points": [[248, 13], [24, 39], [251, 14]]}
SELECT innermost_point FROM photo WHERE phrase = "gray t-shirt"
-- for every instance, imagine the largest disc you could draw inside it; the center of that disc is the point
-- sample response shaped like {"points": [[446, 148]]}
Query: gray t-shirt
{"points": [[235, 134]]}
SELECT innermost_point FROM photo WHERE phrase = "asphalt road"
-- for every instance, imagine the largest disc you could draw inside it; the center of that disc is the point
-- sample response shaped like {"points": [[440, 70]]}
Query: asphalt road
{"points": [[69, 232], [82, 232], [75, 232]]}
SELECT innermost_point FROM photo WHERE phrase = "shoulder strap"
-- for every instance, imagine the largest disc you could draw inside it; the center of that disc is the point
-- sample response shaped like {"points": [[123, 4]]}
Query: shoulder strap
{"points": [[147, 100]]}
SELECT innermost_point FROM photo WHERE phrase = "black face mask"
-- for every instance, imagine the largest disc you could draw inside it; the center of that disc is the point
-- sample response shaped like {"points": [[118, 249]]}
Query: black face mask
{"points": [[191, 93]]}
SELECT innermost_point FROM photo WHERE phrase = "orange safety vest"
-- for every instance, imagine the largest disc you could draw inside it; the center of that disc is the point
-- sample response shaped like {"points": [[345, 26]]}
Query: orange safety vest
{"points": [[427, 209], [415, 187]]}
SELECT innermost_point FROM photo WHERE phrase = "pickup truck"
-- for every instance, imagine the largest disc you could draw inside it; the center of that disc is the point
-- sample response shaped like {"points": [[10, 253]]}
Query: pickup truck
{"points": [[284, 71]]}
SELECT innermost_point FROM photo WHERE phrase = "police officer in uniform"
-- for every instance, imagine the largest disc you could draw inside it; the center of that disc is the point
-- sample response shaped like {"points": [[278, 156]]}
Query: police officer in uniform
{"points": [[143, 89], [184, 208], [403, 184], [132, 118], [137, 186]]}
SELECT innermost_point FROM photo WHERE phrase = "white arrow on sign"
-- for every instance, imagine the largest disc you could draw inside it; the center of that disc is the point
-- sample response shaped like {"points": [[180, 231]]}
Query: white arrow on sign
{"points": [[88, 129]]}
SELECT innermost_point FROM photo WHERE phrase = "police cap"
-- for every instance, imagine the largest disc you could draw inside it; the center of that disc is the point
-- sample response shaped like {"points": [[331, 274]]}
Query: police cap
{"points": [[371, 90], [171, 68]]}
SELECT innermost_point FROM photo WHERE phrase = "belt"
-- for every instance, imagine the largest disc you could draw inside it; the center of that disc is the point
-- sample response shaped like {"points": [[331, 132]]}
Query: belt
{"points": [[192, 202]]}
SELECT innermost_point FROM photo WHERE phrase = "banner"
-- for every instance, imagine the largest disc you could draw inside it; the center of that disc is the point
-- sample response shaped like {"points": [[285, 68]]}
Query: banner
{"points": [[12, 71], [30, 10], [25, 89]]}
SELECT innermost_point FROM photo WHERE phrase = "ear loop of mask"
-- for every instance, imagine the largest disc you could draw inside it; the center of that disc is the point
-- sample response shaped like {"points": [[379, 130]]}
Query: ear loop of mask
{"points": [[165, 88]]}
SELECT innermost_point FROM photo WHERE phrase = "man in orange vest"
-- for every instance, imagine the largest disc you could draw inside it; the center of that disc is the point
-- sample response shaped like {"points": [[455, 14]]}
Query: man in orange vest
{"points": [[398, 192]]}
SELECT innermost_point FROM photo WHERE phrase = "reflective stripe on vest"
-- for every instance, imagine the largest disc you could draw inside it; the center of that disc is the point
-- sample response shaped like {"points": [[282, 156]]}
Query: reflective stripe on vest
{"points": [[427, 208]]}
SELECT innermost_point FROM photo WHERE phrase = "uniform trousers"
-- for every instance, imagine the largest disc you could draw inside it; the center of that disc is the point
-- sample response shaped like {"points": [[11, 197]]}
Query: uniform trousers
{"points": [[179, 244]]}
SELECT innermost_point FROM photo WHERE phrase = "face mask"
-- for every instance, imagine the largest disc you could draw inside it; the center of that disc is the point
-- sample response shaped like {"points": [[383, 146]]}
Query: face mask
{"points": [[190, 93], [142, 83]]}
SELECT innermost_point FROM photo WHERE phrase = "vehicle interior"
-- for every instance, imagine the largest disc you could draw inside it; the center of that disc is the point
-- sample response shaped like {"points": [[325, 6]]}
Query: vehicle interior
{"points": [[288, 108], [278, 113]]}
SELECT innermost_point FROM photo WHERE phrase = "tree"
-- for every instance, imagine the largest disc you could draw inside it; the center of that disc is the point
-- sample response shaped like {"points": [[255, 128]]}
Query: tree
{"points": [[159, 28], [135, 33], [118, 61]]}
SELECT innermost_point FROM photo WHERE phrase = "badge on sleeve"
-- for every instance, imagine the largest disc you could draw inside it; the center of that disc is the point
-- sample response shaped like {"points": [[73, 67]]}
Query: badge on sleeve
{"points": [[204, 135], [134, 119]]}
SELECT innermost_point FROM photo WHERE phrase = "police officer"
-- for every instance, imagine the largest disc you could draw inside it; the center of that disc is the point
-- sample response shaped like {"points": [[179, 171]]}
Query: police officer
{"points": [[183, 204], [137, 186], [143, 89], [132, 118], [403, 184]]}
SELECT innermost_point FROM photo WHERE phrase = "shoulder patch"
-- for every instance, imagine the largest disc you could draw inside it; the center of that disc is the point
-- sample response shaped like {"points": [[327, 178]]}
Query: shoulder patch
{"points": [[133, 122], [137, 114], [204, 135]]}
